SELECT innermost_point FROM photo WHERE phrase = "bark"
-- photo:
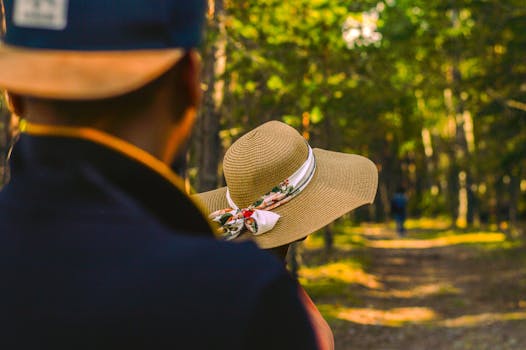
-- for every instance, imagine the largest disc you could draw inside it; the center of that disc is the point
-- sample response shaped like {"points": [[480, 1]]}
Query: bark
{"points": [[514, 205], [460, 176], [328, 238], [428, 152], [294, 255], [208, 149], [384, 201], [294, 258]]}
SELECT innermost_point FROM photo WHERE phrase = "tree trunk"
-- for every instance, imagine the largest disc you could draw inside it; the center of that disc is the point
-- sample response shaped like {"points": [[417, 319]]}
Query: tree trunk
{"points": [[428, 152], [294, 255], [460, 177], [294, 258], [208, 149], [328, 238], [514, 204], [384, 201]]}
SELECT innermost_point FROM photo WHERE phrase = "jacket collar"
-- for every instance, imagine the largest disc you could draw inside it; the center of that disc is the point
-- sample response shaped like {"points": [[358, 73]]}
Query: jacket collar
{"points": [[153, 183]]}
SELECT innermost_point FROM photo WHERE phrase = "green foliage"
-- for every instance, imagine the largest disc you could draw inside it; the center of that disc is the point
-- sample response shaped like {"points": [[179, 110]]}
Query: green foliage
{"points": [[368, 76]]}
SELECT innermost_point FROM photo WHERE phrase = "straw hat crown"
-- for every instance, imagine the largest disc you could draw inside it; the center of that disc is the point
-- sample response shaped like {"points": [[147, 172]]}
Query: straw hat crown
{"points": [[270, 154], [261, 159]]}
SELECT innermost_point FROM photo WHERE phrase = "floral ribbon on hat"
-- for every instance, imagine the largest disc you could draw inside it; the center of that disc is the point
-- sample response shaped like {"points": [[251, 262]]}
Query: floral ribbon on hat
{"points": [[257, 218]]}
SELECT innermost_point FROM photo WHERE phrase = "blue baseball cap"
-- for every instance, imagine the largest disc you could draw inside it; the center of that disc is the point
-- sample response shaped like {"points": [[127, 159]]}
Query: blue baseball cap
{"points": [[93, 49]]}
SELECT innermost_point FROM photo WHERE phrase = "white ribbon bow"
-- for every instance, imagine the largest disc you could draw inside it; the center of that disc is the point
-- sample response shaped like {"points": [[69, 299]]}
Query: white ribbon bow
{"points": [[257, 218]]}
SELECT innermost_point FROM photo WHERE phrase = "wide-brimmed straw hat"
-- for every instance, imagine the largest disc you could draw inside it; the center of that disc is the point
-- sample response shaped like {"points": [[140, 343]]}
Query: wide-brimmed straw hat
{"points": [[266, 156], [81, 50]]}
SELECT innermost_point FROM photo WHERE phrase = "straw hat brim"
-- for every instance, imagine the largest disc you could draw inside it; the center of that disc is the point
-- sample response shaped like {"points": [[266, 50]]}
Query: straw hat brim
{"points": [[81, 75], [341, 183]]}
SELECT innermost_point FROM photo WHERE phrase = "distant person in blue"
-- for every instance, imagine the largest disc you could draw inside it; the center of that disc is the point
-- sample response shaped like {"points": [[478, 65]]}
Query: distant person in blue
{"points": [[100, 248], [399, 210]]}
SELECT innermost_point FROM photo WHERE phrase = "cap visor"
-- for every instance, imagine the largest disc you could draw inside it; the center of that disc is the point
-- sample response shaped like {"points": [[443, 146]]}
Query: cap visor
{"points": [[81, 75]]}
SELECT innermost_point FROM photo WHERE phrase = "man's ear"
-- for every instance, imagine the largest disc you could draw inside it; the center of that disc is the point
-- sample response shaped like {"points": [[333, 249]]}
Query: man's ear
{"points": [[192, 78], [15, 103], [185, 97], [184, 85], [187, 93]]}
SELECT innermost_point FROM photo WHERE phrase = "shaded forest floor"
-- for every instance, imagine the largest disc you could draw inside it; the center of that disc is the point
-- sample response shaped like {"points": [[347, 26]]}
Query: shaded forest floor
{"points": [[434, 289]]}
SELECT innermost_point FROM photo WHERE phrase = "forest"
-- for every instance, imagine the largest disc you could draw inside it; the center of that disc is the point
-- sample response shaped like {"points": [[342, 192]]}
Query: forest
{"points": [[433, 91]]}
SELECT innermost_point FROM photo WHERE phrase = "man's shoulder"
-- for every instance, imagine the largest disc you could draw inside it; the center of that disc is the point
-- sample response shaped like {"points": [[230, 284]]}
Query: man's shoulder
{"points": [[238, 260]]}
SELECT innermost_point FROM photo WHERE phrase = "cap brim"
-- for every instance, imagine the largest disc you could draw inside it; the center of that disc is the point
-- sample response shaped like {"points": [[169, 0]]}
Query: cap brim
{"points": [[81, 75], [342, 182]]}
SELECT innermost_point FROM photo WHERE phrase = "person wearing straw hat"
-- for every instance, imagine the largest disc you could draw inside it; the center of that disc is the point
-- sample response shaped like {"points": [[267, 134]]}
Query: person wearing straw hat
{"points": [[279, 190], [100, 248]]}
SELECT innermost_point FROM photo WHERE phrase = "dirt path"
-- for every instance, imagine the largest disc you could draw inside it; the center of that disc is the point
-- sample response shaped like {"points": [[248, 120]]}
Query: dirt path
{"points": [[435, 294]]}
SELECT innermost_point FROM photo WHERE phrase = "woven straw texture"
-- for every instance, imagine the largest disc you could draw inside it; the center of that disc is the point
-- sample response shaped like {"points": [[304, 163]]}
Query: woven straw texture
{"points": [[269, 154]]}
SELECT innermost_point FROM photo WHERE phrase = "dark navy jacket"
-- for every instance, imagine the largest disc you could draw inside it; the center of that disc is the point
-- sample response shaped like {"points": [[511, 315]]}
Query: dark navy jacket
{"points": [[99, 251]]}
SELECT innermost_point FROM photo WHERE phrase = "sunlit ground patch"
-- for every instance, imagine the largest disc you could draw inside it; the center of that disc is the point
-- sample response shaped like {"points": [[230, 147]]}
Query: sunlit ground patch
{"points": [[422, 291], [399, 317], [441, 223], [374, 230], [345, 238], [396, 317], [444, 241], [348, 272], [483, 319], [398, 278]]}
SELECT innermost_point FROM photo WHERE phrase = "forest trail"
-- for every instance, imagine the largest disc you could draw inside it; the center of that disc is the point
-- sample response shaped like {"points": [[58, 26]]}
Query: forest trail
{"points": [[431, 291]]}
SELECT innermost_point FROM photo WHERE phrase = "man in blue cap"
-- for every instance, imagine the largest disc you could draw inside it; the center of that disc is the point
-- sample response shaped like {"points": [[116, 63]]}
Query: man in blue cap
{"points": [[99, 246]]}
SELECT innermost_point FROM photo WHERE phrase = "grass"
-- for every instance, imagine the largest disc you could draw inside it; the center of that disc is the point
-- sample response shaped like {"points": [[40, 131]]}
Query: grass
{"points": [[338, 281], [339, 273], [336, 278]]}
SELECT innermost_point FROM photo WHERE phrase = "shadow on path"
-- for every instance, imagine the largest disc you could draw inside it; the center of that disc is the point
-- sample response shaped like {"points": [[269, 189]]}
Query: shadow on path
{"points": [[430, 290]]}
